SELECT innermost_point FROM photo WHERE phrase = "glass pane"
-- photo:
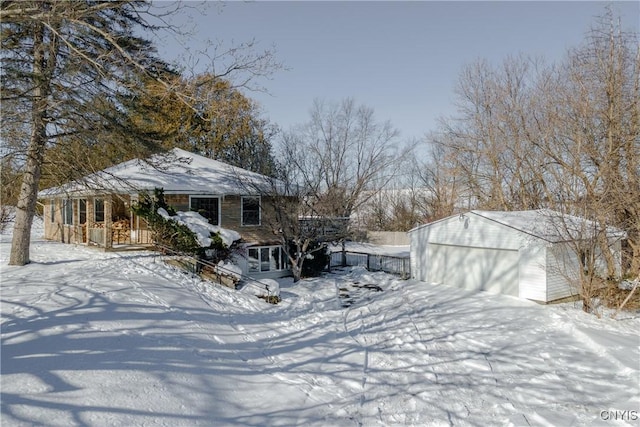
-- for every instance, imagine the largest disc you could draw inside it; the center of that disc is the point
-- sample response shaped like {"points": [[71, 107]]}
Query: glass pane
{"points": [[207, 207], [250, 211], [254, 263], [67, 212], [264, 259], [250, 218], [99, 210], [276, 263], [83, 211]]}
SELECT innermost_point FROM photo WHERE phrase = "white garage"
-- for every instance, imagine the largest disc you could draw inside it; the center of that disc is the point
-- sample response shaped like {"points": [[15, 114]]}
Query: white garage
{"points": [[523, 254]]}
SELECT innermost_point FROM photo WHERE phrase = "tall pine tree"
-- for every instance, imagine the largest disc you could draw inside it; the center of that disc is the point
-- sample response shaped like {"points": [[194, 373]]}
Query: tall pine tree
{"points": [[56, 58]]}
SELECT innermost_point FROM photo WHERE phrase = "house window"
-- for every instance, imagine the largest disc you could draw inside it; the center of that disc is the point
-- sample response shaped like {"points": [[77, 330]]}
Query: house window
{"points": [[208, 207], [53, 211], [98, 212], [82, 211], [67, 211], [266, 258], [250, 210]]}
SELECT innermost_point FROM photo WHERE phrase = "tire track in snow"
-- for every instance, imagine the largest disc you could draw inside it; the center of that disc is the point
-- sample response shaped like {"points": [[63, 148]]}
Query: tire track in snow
{"points": [[365, 360], [306, 383], [358, 336], [417, 347], [435, 348], [455, 353], [357, 322]]}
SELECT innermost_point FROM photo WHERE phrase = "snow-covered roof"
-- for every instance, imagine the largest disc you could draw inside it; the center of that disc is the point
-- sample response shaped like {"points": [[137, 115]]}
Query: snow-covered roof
{"points": [[177, 171], [546, 224]]}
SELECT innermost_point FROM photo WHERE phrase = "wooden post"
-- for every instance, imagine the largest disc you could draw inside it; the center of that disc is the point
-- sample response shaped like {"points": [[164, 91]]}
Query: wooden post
{"points": [[91, 217], [76, 220], [108, 225]]}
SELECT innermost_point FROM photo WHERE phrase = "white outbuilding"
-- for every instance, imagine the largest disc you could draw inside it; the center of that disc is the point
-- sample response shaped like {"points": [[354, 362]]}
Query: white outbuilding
{"points": [[527, 254]]}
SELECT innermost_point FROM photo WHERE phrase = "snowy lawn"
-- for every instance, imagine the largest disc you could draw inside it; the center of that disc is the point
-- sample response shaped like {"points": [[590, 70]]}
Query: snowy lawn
{"points": [[121, 339]]}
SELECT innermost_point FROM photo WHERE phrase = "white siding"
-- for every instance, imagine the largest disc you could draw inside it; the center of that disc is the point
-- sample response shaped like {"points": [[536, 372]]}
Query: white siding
{"points": [[616, 248], [418, 256], [469, 230], [533, 273], [562, 272], [479, 269], [601, 263]]}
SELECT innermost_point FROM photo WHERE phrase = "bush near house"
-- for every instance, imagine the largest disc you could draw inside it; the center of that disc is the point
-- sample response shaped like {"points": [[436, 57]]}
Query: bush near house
{"points": [[176, 236], [611, 295]]}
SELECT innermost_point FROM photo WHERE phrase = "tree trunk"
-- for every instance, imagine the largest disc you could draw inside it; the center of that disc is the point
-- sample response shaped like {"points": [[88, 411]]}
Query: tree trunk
{"points": [[26, 206], [297, 273], [635, 256]]}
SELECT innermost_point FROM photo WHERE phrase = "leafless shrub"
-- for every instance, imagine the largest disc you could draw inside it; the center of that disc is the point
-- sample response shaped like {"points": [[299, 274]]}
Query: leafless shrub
{"points": [[7, 215]]}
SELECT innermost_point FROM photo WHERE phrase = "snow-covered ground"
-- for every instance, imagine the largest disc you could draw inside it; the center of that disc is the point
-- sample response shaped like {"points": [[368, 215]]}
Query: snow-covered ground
{"points": [[121, 339]]}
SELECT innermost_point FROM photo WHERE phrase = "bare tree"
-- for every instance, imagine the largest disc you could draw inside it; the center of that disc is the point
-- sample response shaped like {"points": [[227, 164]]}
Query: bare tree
{"points": [[566, 137], [592, 134], [487, 144], [340, 154], [439, 176], [328, 167], [401, 203]]}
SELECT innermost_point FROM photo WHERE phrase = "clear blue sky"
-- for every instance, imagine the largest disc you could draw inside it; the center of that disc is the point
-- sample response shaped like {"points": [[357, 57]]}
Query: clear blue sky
{"points": [[400, 58]]}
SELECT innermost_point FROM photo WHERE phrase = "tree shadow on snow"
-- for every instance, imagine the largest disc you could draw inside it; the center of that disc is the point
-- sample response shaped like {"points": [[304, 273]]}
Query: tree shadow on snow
{"points": [[399, 357]]}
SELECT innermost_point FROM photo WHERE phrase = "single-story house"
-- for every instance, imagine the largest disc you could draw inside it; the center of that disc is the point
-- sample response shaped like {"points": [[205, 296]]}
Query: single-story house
{"points": [[96, 210], [527, 254]]}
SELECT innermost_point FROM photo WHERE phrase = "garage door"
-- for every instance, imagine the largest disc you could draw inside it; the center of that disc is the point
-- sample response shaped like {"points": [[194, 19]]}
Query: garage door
{"points": [[492, 270]]}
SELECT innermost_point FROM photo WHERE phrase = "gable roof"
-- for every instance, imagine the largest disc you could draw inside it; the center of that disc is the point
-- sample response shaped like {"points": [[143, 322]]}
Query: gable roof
{"points": [[545, 224], [548, 224], [177, 171]]}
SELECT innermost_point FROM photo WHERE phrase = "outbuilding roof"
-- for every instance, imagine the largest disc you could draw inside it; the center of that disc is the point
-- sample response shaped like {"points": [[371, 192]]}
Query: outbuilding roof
{"points": [[177, 171], [545, 224]]}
